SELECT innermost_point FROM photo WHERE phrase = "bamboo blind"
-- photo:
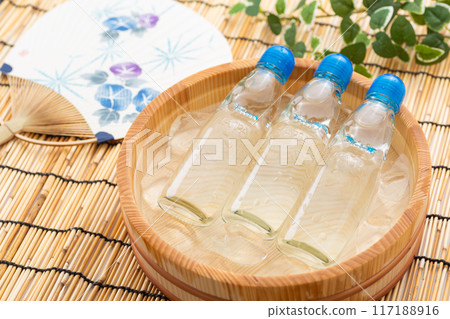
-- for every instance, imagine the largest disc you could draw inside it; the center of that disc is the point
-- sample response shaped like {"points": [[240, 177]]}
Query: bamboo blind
{"points": [[61, 233]]}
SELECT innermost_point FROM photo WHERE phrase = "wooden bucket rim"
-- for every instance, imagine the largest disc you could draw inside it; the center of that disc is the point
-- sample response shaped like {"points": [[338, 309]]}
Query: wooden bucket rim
{"points": [[416, 205]]}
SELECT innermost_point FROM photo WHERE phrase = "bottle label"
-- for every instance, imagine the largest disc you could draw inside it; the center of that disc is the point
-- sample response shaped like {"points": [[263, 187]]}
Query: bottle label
{"points": [[316, 125], [245, 112], [367, 148]]}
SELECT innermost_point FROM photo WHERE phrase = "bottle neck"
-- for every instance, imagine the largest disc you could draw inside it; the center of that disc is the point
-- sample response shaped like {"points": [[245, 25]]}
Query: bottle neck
{"points": [[277, 72], [316, 105], [371, 126], [337, 83], [256, 97], [383, 100]]}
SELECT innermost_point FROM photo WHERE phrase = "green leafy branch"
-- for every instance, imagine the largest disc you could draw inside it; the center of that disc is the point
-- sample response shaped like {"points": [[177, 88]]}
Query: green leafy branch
{"points": [[393, 23]]}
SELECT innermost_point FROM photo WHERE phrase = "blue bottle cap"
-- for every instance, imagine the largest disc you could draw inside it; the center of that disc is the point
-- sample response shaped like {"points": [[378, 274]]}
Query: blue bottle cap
{"points": [[279, 60], [338, 67], [391, 87]]}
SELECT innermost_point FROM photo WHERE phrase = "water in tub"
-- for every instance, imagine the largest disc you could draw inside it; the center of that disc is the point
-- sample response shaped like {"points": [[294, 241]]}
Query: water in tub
{"points": [[234, 249]]}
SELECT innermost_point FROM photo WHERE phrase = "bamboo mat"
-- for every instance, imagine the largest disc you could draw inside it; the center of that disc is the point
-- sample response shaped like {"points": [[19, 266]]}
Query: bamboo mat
{"points": [[61, 233]]}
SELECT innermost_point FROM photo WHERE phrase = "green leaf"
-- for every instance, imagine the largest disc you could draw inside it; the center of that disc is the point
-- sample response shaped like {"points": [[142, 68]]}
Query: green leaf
{"points": [[129, 118], [381, 17], [315, 42], [418, 19], [253, 9], [328, 52], [363, 38], [417, 6], [140, 31], [101, 112], [401, 53], [427, 54], [435, 40], [308, 12], [274, 23], [280, 6], [342, 7], [402, 31], [362, 70], [300, 4], [134, 83], [368, 3], [98, 77], [355, 52], [383, 46], [437, 17], [379, 4], [290, 35], [349, 30], [238, 7], [299, 49], [108, 116], [110, 35]]}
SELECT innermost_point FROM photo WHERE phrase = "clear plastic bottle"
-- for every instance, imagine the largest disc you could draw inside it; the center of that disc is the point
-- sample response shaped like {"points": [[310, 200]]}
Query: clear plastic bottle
{"points": [[322, 224], [198, 189], [270, 187]]}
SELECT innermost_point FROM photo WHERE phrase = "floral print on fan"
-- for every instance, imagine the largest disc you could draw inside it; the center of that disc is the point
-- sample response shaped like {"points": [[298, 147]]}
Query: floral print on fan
{"points": [[122, 23], [116, 97], [126, 70], [113, 96], [121, 84], [138, 24], [143, 97], [148, 20]]}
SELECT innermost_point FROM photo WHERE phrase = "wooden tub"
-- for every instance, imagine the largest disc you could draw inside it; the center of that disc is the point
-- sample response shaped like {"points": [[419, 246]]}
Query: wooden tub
{"points": [[372, 272]]}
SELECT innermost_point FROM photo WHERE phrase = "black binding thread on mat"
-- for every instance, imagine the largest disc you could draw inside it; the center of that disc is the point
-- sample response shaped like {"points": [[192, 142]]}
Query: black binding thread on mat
{"points": [[29, 5], [433, 260], [89, 281], [211, 5], [113, 240], [325, 24], [440, 77], [249, 39], [6, 44], [267, 43], [438, 217], [59, 176], [440, 167], [61, 231], [434, 123]]}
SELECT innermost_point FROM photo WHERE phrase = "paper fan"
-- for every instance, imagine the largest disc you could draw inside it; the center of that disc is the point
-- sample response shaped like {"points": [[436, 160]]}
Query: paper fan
{"points": [[103, 62]]}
